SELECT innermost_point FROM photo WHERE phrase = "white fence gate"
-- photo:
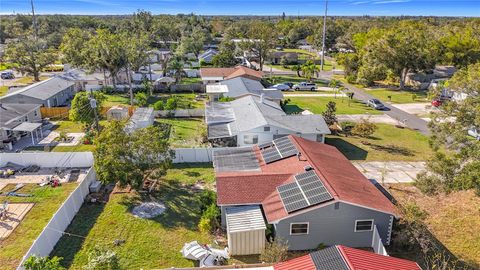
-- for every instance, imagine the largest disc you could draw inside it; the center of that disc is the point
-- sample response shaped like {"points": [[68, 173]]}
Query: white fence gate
{"points": [[48, 238], [377, 244]]}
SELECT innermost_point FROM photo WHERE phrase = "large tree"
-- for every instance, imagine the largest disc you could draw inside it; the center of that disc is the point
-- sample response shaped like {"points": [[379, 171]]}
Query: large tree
{"points": [[81, 109], [30, 53], [262, 39], [72, 46], [130, 158], [407, 47], [456, 163]]}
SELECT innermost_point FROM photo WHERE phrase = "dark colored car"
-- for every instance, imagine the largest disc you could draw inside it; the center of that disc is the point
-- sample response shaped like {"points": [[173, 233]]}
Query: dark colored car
{"points": [[7, 75]]}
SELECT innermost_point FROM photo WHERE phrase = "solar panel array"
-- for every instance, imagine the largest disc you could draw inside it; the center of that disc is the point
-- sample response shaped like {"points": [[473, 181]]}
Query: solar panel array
{"points": [[235, 159], [278, 149], [307, 190]]}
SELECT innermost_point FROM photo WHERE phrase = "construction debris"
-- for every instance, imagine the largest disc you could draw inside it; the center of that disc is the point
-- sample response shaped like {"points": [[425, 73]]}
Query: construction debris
{"points": [[148, 210]]}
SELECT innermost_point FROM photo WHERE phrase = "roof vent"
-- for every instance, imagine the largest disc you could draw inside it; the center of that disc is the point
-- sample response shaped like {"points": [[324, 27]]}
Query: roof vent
{"points": [[308, 168]]}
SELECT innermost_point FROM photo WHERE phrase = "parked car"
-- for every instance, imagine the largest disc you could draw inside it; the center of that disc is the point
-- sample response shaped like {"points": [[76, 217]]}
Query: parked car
{"points": [[280, 86], [436, 103], [290, 84], [7, 75], [376, 104], [305, 86], [474, 132]]}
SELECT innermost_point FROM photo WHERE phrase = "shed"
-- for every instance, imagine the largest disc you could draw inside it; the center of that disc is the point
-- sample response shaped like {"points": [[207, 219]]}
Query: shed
{"points": [[117, 113], [141, 118], [245, 230]]}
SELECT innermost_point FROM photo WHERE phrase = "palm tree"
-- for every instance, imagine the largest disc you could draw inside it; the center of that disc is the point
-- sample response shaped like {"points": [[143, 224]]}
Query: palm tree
{"points": [[310, 69], [176, 66], [297, 68], [334, 84]]}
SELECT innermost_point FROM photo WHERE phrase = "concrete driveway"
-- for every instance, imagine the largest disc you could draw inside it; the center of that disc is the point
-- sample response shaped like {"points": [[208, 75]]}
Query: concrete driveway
{"points": [[379, 119], [390, 172]]}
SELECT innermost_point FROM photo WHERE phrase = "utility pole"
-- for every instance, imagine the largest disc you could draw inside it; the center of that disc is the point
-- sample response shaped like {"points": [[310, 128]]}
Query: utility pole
{"points": [[34, 21], [93, 104], [323, 37]]}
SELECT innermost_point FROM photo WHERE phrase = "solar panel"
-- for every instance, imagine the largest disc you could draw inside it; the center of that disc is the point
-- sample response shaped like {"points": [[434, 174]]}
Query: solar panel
{"points": [[265, 145], [270, 155], [235, 159], [292, 197], [307, 190]]}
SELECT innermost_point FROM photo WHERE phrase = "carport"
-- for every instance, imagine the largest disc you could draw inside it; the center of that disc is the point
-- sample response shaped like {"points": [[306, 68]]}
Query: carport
{"points": [[245, 230], [31, 128]]}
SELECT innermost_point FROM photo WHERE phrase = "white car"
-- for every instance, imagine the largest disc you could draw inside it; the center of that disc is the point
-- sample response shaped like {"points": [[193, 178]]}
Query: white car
{"points": [[280, 86], [474, 132], [305, 86]]}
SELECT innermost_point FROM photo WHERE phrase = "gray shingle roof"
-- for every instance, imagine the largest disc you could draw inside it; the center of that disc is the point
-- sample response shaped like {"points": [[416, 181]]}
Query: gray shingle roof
{"points": [[302, 123], [240, 86], [329, 258], [43, 90], [10, 112]]}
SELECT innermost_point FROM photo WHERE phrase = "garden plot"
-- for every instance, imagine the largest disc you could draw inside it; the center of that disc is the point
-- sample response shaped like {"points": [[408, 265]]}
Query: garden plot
{"points": [[52, 138]]}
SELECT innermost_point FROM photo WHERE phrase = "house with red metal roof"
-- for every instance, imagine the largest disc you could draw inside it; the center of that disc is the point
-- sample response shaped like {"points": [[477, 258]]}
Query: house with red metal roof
{"points": [[309, 192], [346, 258], [214, 75]]}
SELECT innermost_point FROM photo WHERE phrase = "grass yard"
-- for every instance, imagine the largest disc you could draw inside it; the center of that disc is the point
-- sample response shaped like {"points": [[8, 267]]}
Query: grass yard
{"points": [[191, 80], [3, 90], [186, 132], [47, 200], [187, 101], [318, 104], [77, 148], [68, 126], [153, 243], [388, 143], [453, 219], [29, 80], [398, 96]]}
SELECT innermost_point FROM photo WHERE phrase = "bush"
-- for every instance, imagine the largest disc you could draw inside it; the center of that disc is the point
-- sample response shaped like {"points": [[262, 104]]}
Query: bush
{"points": [[428, 184], [413, 213], [275, 251], [207, 198], [364, 129], [351, 78], [141, 99], [225, 99], [43, 263], [172, 104], [209, 222], [159, 105], [102, 259], [329, 114]]}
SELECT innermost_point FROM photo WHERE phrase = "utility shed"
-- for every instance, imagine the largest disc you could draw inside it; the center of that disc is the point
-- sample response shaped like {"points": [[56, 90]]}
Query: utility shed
{"points": [[245, 230], [141, 118]]}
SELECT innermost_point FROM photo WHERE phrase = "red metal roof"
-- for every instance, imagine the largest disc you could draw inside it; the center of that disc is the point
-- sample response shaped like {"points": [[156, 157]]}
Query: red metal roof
{"points": [[340, 177], [303, 262], [363, 260]]}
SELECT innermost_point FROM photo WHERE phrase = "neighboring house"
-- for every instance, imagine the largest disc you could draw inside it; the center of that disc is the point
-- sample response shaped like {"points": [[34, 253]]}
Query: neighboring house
{"points": [[214, 75], [254, 120], [345, 258], [207, 56], [423, 80], [276, 57], [158, 56], [239, 87], [84, 80], [12, 116], [309, 191], [53, 92]]}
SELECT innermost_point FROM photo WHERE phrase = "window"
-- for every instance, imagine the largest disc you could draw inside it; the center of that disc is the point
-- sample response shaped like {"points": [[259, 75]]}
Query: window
{"points": [[26, 118], [35, 113], [250, 139], [266, 128], [298, 228], [363, 225]]}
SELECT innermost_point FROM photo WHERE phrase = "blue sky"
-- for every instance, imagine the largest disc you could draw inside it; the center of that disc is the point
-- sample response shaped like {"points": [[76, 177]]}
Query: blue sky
{"points": [[249, 7]]}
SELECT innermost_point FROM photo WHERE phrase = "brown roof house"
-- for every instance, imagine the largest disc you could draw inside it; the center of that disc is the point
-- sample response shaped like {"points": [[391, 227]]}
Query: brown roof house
{"points": [[214, 75]]}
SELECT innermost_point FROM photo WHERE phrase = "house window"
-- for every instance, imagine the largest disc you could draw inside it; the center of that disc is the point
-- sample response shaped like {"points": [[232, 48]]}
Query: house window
{"points": [[298, 228], [26, 118], [266, 128], [35, 113], [250, 139], [363, 225]]}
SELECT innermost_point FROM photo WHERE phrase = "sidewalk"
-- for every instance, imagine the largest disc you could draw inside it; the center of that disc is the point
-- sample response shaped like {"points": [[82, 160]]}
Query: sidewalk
{"points": [[390, 172]]}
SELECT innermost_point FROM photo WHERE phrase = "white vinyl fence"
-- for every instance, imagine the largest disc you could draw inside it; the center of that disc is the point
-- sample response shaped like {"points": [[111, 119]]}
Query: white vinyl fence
{"points": [[45, 242], [377, 244], [49, 160]]}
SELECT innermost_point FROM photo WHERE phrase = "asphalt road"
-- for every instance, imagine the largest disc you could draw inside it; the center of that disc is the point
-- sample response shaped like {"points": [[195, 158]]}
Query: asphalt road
{"points": [[410, 120]]}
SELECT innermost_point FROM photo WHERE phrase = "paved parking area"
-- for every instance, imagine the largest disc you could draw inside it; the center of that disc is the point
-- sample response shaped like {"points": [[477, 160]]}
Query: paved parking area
{"points": [[391, 172]]}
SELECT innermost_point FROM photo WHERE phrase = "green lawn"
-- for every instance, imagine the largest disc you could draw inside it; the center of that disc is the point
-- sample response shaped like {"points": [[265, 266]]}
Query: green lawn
{"points": [[47, 200], [185, 132], [149, 244], [318, 104], [3, 90], [68, 126], [29, 80], [77, 148], [398, 96], [388, 143], [190, 80], [186, 101]]}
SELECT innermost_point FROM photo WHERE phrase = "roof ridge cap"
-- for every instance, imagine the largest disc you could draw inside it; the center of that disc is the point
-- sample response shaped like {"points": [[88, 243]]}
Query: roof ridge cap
{"points": [[344, 256]]}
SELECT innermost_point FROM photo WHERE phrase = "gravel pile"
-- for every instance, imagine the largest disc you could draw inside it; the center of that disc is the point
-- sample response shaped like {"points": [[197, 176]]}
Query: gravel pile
{"points": [[148, 210]]}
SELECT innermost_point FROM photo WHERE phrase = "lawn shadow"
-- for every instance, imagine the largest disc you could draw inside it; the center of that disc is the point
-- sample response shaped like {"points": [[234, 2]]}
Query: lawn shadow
{"points": [[351, 151], [394, 149], [292, 109], [72, 241]]}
